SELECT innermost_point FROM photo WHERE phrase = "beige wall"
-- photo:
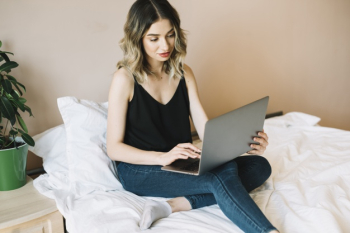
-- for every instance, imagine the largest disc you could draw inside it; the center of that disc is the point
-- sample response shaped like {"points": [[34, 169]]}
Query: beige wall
{"points": [[297, 52]]}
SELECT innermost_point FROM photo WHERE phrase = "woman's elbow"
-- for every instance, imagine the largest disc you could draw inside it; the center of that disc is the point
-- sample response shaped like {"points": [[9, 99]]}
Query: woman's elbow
{"points": [[112, 151]]}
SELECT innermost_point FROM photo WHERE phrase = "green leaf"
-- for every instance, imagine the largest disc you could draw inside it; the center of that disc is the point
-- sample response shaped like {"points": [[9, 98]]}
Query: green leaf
{"points": [[7, 109], [28, 139], [13, 132], [21, 85], [6, 85], [1, 77], [15, 109], [28, 110], [18, 89], [8, 66], [22, 100], [18, 104], [11, 78], [4, 56], [3, 52], [21, 123], [0, 43], [15, 94]]}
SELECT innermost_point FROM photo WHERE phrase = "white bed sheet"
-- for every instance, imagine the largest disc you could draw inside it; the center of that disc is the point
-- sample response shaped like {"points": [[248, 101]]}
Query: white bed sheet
{"points": [[308, 191]]}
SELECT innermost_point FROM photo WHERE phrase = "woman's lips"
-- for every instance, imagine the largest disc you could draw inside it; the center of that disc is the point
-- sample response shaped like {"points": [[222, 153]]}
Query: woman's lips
{"points": [[164, 54]]}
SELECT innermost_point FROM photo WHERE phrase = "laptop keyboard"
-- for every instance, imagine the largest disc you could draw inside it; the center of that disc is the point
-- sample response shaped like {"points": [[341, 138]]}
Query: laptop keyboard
{"points": [[192, 167]]}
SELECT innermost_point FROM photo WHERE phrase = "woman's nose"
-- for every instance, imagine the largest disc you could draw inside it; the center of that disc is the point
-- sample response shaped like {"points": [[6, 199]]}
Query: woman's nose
{"points": [[165, 44]]}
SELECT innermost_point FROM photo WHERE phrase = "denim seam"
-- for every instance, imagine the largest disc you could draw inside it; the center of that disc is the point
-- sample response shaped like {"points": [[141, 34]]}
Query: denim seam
{"points": [[135, 170], [121, 179], [268, 229], [223, 186]]}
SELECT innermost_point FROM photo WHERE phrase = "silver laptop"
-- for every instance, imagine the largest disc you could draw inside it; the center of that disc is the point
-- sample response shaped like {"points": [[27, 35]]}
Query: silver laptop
{"points": [[225, 138]]}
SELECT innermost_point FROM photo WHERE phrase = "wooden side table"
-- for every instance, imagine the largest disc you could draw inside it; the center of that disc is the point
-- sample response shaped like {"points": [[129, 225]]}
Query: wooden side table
{"points": [[25, 210]]}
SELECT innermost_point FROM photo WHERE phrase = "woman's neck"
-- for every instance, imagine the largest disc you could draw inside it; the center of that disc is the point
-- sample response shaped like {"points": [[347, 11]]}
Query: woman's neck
{"points": [[155, 66]]}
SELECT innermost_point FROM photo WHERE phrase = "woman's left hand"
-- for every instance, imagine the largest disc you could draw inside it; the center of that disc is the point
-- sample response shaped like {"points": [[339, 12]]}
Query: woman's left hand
{"points": [[259, 149]]}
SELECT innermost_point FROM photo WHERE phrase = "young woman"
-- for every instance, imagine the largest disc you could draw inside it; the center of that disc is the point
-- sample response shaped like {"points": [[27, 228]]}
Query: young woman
{"points": [[151, 97]]}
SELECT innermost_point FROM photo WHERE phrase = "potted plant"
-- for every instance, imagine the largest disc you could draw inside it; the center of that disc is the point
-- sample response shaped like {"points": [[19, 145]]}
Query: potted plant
{"points": [[14, 138]]}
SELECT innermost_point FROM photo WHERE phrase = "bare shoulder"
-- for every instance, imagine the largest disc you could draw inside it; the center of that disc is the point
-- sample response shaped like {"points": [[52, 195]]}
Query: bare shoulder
{"points": [[188, 73], [122, 82], [190, 79], [122, 76]]}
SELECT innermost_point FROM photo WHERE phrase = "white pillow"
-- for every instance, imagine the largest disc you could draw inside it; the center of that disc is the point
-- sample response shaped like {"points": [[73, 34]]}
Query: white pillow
{"points": [[90, 168], [293, 119], [51, 146]]}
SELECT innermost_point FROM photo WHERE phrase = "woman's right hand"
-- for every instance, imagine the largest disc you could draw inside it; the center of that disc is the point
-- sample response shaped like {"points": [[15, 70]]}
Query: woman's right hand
{"points": [[181, 151]]}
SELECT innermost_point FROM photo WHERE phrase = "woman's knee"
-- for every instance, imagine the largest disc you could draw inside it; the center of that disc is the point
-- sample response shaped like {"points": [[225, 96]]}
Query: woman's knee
{"points": [[264, 167], [228, 167], [226, 171]]}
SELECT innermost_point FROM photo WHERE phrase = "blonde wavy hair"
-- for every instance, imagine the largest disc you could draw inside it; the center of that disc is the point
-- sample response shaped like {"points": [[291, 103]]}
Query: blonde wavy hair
{"points": [[142, 14]]}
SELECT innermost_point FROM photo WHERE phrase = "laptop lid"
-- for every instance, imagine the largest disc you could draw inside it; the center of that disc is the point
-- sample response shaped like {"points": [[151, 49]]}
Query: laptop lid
{"points": [[230, 135]]}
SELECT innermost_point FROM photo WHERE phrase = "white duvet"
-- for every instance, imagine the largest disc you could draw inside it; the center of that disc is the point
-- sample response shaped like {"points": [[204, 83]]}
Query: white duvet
{"points": [[308, 191]]}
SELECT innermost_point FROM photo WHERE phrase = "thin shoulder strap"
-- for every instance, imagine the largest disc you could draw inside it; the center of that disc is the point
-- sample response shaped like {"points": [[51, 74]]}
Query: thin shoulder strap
{"points": [[135, 79]]}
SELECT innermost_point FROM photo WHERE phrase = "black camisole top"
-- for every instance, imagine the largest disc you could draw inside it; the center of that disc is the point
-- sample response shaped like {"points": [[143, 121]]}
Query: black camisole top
{"points": [[153, 126]]}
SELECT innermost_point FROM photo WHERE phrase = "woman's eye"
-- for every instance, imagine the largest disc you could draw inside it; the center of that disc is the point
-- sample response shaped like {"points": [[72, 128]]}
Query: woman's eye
{"points": [[155, 39]]}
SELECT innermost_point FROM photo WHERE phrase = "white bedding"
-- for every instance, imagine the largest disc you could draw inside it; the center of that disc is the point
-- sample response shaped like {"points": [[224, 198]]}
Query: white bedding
{"points": [[308, 191]]}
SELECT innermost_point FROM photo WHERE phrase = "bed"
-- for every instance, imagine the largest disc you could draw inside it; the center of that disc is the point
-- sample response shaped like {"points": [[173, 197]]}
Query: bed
{"points": [[308, 190]]}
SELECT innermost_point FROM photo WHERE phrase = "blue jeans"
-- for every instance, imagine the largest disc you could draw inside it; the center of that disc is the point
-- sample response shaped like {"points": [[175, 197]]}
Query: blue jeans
{"points": [[227, 185]]}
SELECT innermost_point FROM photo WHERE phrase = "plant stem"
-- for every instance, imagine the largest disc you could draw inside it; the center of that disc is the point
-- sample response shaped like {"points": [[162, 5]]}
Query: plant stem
{"points": [[9, 143], [4, 145], [6, 128]]}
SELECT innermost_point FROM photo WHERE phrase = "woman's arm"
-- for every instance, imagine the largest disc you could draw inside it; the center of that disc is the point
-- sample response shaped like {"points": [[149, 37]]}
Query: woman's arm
{"points": [[119, 94], [197, 112], [120, 91]]}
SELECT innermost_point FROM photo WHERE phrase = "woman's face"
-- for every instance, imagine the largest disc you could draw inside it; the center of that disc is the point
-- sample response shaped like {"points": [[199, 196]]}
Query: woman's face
{"points": [[159, 40]]}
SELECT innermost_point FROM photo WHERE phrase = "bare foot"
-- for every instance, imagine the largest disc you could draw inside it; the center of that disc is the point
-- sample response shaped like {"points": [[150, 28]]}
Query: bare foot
{"points": [[179, 204]]}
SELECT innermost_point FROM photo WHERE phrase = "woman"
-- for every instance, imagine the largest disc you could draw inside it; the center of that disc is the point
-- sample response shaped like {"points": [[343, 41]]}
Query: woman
{"points": [[151, 97]]}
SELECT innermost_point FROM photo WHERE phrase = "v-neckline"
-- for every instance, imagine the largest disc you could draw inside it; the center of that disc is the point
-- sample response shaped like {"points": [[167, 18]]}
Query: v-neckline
{"points": [[178, 85]]}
